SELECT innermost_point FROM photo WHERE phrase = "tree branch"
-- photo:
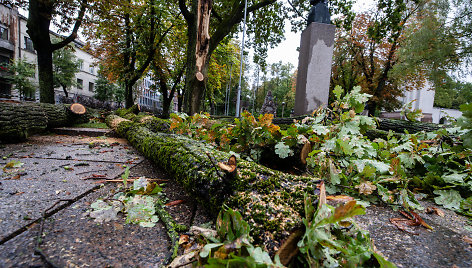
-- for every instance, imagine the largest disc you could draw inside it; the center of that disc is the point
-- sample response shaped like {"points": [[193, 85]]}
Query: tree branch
{"points": [[77, 24], [183, 8]]}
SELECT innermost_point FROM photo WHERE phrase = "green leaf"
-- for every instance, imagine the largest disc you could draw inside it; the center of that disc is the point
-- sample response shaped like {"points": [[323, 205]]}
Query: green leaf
{"points": [[103, 212], [466, 204], [383, 262], [338, 91], [455, 178], [282, 150], [205, 252], [141, 208], [450, 199], [345, 147]]}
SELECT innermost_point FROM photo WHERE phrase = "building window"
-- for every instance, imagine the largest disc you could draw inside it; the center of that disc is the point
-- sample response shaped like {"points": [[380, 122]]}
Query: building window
{"points": [[29, 44], [81, 65], [5, 89], [3, 32], [91, 85], [92, 69], [80, 83]]}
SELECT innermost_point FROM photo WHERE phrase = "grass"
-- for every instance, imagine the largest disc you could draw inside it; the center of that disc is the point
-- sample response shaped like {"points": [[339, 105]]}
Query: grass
{"points": [[91, 124]]}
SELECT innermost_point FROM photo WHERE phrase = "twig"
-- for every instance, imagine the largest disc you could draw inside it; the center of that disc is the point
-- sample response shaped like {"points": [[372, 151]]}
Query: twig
{"points": [[80, 173], [38, 249], [131, 180], [186, 263], [214, 165], [172, 228]]}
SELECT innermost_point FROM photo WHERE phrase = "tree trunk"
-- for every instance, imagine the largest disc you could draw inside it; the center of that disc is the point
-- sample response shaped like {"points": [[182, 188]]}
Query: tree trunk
{"points": [[197, 55], [19, 121], [64, 88], [46, 82], [271, 201], [129, 100]]}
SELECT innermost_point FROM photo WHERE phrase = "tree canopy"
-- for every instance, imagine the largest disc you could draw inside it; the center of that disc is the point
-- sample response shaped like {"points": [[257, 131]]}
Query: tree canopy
{"points": [[65, 66]]}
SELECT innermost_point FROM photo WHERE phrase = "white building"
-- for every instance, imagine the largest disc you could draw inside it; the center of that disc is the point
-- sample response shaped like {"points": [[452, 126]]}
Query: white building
{"points": [[16, 44], [423, 99], [148, 96]]}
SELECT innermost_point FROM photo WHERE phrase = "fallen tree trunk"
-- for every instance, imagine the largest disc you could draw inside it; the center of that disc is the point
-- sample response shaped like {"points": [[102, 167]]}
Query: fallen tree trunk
{"points": [[18, 121], [271, 201]]}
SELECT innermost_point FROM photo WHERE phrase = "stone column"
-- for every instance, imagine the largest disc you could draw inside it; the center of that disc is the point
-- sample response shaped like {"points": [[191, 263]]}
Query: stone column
{"points": [[314, 67]]}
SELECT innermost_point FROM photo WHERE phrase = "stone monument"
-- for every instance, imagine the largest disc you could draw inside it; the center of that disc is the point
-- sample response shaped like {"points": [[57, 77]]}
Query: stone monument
{"points": [[269, 107], [314, 61]]}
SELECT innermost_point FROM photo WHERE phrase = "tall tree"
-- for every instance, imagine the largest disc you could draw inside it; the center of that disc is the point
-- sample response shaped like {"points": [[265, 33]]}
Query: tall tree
{"points": [[396, 47], [125, 36], [65, 66], [21, 74], [205, 33], [69, 13]]}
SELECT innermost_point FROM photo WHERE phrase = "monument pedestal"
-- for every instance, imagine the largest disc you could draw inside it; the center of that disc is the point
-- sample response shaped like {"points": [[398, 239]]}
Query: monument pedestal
{"points": [[314, 67]]}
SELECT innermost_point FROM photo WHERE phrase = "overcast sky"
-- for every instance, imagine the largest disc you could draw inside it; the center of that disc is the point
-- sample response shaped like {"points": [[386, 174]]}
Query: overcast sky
{"points": [[287, 50]]}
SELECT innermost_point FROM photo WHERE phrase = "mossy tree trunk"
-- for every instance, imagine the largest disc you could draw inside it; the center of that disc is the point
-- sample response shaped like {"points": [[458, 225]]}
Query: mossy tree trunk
{"points": [[19, 121], [271, 201]]}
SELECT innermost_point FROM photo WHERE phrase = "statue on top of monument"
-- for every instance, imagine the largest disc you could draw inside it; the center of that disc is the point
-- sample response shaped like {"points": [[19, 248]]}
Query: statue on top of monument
{"points": [[319, 12]]}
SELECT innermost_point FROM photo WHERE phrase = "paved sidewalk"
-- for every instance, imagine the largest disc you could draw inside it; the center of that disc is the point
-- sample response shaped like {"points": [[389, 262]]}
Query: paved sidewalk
{"points": [[58, 167]]}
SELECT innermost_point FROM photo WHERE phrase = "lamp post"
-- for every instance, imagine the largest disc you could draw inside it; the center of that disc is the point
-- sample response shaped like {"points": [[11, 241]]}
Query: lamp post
{"points": [[238, 100], [228, 90], [283, 108]]}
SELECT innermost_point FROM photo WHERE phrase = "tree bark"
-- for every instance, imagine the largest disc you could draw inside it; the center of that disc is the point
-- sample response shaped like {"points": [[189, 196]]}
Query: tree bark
{"points": [[271, 201], [19, 121]]}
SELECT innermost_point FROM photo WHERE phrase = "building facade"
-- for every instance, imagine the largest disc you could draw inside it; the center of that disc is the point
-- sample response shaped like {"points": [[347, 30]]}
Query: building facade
{"points": [[15, 44]]}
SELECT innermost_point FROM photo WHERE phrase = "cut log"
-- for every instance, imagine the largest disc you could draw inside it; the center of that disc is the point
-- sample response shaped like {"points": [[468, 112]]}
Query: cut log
{"points": [[18, 121], [271, 201], [78, 108]]}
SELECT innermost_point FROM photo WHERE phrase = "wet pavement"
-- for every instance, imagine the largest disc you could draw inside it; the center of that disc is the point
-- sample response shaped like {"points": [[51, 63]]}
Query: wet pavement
{"points": [[55, 167], [72, 168]]}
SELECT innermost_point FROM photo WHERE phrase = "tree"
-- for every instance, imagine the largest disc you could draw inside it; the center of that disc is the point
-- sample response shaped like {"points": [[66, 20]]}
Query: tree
{"points": [[168, 65], [205, 33], [125, 36], [40, 15], [65, 66], [453, 95], [396, 47], [20, 74], [461, 27], [104, 89]]}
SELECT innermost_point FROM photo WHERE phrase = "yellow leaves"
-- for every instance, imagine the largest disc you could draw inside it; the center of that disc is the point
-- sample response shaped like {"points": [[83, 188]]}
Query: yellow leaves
{"points": [[366, 187]]}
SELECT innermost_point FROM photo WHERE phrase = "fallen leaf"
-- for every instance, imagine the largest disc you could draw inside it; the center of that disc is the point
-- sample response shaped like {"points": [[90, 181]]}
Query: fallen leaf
{"points": [[19, 193], [398, 222], [118, 226], [366, 188], [322, 199], [339, 198], [436, 211], [176, 202], [412, 219], [16, 177]]}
